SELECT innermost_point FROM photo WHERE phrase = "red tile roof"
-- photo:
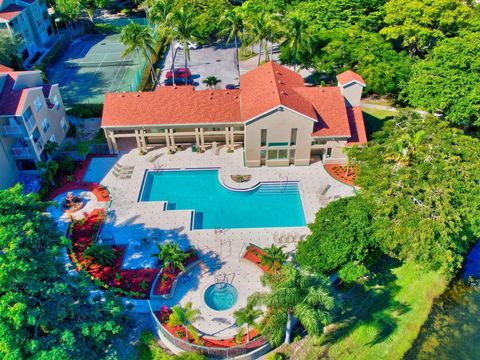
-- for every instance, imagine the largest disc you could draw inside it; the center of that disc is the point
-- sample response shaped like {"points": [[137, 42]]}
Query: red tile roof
{"points": [[4, 68], [357, 126], [263, 89], [171, 105], [10, 12], [11, 100], [269, 86], [349, 76], [329, 105]]}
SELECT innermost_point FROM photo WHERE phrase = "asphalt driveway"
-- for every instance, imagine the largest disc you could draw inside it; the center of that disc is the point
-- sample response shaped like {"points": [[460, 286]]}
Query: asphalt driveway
{"points": [[213, 60]]}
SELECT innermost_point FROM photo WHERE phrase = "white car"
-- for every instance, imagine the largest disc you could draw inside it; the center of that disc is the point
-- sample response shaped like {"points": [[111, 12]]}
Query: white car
{"points": [[191, 45]]}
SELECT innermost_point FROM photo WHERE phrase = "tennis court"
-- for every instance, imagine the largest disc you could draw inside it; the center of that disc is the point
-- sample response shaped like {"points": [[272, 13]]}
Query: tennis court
{"points": [[92, 66]]}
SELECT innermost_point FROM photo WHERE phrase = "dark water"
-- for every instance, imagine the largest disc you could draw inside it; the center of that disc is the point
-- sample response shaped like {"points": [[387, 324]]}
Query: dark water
{"points": [[453, 328]]}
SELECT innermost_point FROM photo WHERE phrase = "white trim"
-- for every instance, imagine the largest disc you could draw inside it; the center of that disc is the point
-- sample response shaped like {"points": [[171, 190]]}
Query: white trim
{"points": [[168, 125], [352, 81], [277, 108]]}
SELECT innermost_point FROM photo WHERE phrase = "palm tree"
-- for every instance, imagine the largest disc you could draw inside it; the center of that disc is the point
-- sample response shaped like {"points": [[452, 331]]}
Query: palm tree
{"points": [[185, 317], [247, 316], [171, 256], [159, 15], [295, 30], [49, 170], [50, 148], [256, 31], [232, 21], [274, 258], [298, 294], [183, 27], [211, 81], [137, 38]]}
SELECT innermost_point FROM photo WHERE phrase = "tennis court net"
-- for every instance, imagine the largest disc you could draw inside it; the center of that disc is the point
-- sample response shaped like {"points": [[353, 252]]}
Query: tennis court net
{"points": [[71, 64]]}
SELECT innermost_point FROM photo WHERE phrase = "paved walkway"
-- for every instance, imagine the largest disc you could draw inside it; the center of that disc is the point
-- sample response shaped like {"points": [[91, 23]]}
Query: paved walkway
{"points": [[130, 221], [367, 105]]}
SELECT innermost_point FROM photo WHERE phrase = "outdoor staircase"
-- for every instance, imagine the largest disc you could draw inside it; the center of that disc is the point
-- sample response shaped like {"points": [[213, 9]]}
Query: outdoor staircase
{"points": [[122, 172]]}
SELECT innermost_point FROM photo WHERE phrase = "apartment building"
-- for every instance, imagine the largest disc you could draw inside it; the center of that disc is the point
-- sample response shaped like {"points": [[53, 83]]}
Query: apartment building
{"points": [[31, 113], [278, 120], [29, 22]]}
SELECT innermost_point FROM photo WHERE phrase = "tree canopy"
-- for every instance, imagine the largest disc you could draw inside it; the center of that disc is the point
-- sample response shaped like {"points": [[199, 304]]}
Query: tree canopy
{"points": [[46, 313], [422, 177], [448, 80], [341, 234]]}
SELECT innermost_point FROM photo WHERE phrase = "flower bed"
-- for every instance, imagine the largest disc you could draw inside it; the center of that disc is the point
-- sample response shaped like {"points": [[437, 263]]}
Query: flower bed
{"points": [[167, 277], [339, 172], [255, 254], [179, 332], [77, 183], [135, 283]]}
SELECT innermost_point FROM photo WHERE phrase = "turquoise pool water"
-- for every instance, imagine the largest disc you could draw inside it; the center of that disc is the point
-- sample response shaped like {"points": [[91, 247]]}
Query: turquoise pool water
{"points": [[220, 296], [269, 205]]}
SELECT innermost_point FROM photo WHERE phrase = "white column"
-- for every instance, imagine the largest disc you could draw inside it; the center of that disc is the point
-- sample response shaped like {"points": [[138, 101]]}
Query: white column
{"points": [[197, 138], [172, 139], [143, 140], [202, 139], [137, 138], [167, 138], [114, 141], [227, 140], [232, 139], [109, 141]]}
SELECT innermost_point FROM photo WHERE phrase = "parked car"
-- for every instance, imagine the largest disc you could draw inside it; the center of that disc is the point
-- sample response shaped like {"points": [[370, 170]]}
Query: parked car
{"points": [[231, 86], [191, 45], [179, 73], [178, 81]]}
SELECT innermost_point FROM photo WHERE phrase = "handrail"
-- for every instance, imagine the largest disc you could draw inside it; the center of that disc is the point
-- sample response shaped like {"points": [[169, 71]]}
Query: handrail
{"points": [[222, 352]]}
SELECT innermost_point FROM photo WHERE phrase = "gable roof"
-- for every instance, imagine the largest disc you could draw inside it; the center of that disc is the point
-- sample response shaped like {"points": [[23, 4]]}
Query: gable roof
{"points": [[171, 105], [357, 126], [350, 76], [270, 86], [10, 12], [329, 105], [4, 68]]}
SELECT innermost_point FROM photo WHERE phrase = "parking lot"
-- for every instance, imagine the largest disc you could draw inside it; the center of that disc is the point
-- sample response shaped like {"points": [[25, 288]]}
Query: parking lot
{"points": [[213, 60]]}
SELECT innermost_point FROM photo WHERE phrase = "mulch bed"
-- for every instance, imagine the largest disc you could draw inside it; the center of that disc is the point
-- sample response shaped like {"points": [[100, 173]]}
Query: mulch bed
{"points": [[179, 332], [339, 172], [167, 277], [130, 279], [77, 183], [254, 254]]}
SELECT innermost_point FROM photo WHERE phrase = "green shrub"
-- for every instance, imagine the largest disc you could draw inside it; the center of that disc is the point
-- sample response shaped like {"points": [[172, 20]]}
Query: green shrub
{"points": [[66, 165], [100, 254], [274, 356], [72, 131], [86, 110], [350, 272]]}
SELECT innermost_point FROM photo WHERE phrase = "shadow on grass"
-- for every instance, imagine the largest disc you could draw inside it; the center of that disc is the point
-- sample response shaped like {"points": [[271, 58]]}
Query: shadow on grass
{"points": [[374, 123], [371, 304]]}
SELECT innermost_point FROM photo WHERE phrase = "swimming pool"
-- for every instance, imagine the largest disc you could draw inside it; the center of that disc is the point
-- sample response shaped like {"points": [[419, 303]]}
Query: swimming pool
{"points": [[220, 296], [268, 205], [99, 168]]}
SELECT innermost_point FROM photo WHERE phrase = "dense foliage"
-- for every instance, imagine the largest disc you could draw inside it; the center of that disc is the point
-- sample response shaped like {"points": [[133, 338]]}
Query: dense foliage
{"points": [[448, 80], [341, 236], [46, 313], [423, 178]]}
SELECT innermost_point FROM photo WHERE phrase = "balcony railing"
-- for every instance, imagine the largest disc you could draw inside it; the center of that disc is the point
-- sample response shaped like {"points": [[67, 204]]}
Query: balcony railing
{"points": [[30, 123], [39, 144], [21, 152], [11, 130]]}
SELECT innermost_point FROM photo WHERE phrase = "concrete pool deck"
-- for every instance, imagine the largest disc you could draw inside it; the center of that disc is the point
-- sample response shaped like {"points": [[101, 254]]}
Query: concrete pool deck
{"points": [[129, 221]]}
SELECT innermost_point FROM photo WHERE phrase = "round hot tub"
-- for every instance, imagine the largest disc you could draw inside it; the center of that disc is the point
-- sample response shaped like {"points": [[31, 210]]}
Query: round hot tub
{"points": [[220, 296]]}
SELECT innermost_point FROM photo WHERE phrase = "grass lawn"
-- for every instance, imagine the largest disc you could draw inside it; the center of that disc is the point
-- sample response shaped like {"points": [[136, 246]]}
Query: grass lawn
{"points": [[382, 317], [374, 119]]}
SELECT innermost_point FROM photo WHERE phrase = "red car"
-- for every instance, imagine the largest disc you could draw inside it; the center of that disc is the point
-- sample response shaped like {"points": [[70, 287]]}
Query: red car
{"points": [[183, 73]]}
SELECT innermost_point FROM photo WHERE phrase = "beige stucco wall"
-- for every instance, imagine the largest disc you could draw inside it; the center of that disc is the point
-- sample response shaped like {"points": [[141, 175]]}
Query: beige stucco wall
{"points": [[53, 115], [8, 168], [352, 93], [279, 124]]}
